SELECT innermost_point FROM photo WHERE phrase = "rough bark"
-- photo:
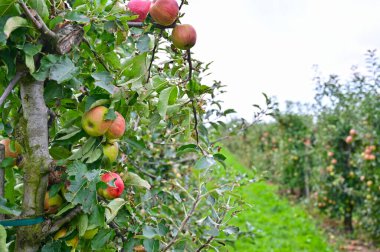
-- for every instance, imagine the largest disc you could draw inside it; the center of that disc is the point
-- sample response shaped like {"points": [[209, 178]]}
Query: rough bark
{"points": [[37, 160]]}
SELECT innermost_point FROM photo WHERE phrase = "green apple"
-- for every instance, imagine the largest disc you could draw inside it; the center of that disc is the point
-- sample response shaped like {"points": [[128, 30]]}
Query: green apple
{"points": [[93, 121], [52, 204], [111, 150]]}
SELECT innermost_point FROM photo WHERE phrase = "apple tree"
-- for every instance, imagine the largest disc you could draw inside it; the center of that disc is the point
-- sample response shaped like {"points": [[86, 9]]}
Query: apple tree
{"points": [[102, 120]]}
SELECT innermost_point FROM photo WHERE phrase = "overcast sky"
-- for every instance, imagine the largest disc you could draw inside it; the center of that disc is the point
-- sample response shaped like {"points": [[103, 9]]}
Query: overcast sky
{"points": [[271, 45]]}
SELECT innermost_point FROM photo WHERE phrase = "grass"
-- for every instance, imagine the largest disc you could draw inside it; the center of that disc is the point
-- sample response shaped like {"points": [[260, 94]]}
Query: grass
{"points": [[279, 225]]}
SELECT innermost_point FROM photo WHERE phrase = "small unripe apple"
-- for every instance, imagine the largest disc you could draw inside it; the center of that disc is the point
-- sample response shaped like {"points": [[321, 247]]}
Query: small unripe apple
{"points": [[330, 154], [93, 121], [111, 192], [89, 234], [164, 12], [139, 7], [349, 139], [111, 150], [117, 127], [8, 152], [60, 233], [369, 183], [52, 204], [334, 161], [184, 36], [73, 242]]}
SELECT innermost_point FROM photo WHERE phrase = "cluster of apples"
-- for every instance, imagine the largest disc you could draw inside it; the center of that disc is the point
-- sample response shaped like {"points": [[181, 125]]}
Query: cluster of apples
{"points": [[94, 124], [368, 153], [350, 138], [165, 13]]}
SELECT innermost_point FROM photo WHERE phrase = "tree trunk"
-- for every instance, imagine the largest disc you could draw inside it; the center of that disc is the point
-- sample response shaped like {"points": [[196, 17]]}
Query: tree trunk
{"points": [[37, 160], [348, 227]]}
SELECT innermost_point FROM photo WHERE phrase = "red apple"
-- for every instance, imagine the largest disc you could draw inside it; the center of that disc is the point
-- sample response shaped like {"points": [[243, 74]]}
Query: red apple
{"points": [[52, 204], [8, 152], [139, 7], [349, 139], [330, 154], [353, 132], [164, 12], [111, 150], [93, 121], [111, 192], [117, 128], [184, 36]]}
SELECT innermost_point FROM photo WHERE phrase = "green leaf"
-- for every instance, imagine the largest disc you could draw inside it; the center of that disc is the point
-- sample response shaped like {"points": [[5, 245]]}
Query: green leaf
{"points": [[104, 80], [204, 163], [231, 230], [13, 23], [59, 152], [77, 17], [151, 245], [82, 224], [113, 208], [29, 62], [5, 209], [150, 232], [41, 8], [143, 44], [10, 185], [102, 238], [63, 70], [3, 239], [133, 179], [166, 97]]}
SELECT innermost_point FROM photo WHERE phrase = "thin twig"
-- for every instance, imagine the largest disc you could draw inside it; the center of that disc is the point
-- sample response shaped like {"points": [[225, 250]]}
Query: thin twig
{"points": [[153, 53], [11, 85], [184, 222], [100, 60], [182, 2], [141, 170], [119, 234], [37, 21]]}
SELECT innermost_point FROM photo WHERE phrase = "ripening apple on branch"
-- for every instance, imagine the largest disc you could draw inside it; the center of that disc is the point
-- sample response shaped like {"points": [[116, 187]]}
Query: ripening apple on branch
{"points": [[93, 121], [164, 12], [111, 192], [140, 8], [184, 36]]}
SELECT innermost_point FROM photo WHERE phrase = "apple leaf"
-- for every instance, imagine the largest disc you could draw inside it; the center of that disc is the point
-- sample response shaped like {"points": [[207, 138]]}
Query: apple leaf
{"points": [[133, 179], [82, 224], [63, 70], [3, 239], [13, 23], [113, 208], [4, 209], [41, 8], [167, 96], [102, 238], [204, 163], [104, 80]]}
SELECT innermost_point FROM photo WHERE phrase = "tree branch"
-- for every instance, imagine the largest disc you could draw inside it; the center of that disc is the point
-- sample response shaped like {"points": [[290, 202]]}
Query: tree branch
{"points": [[184, 222], [153, 54], [100, 59], [50, 228], [119, 234], [11, 85], [141, 170], [37, 21]]}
